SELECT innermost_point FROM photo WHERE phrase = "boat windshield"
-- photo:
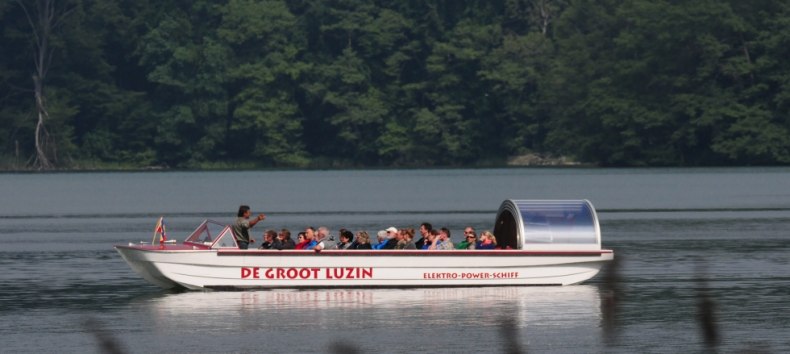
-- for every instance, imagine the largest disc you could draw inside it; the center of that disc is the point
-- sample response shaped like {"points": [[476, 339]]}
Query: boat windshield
{"points": [[225, 239], [206, 233], [539, 223]]}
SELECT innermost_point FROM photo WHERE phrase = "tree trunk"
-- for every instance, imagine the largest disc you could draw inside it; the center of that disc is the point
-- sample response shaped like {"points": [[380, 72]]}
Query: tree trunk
{"points": [[42, 23], [41, 161], [545, 15]]}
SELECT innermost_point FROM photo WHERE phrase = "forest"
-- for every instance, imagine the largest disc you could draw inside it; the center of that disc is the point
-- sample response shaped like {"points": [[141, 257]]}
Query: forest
{"points": [[138, 84]]}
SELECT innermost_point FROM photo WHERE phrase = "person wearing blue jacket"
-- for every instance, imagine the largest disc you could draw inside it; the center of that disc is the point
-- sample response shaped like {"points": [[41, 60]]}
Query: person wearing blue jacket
{"points": [[487, 241]]}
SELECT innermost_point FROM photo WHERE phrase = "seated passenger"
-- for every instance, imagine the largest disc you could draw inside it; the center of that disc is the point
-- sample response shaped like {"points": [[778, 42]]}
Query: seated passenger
{"points": [[362, 242], [392, 239], [425, 230], [487, 241], [301, 241], [430, 239], [443, 243], [318, 243], [310, 236], [470, 240], [330, 240], [400, 237], [342, 243], [387, 239], [284, 241], [268, 239], [412, 245], [406, 239], [346, 238], [381, 236]]}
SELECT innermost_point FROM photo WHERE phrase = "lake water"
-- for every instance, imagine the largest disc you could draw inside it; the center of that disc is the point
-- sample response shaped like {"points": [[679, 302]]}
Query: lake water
{"points": [[678, 234]]}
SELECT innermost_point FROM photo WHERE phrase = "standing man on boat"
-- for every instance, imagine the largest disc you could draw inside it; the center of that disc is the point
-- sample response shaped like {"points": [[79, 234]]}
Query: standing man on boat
{"points": [[241, 228]]}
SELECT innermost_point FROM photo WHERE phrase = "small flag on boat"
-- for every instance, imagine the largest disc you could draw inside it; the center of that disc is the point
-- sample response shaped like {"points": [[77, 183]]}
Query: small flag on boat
{"points": [[160, 230]]}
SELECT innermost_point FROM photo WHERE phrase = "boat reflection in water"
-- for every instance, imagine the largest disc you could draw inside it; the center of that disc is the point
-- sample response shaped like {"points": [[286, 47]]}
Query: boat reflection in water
{"points": [[548, 317]]}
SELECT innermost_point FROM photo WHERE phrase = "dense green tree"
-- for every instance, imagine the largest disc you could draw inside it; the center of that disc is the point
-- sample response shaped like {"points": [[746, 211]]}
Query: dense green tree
{"points": [[110, 123], [187, 66], [660, 83], [412, 83], [266, 46]]}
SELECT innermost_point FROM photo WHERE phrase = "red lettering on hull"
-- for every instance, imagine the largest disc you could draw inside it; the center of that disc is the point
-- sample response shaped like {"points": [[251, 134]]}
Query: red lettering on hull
{"points": [[250, 273], [349, 273], [440, 275], [474, 275], [480, 275], [307, 273], [505, 275], [291, 273]]}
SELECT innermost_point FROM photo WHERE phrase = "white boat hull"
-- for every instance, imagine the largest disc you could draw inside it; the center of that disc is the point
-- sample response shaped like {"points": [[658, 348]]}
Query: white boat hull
{"points": [[244, 269]]}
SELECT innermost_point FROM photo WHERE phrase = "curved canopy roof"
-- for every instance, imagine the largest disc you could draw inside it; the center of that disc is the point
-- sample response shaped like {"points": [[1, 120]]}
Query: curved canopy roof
{"points": [[548, 224]]}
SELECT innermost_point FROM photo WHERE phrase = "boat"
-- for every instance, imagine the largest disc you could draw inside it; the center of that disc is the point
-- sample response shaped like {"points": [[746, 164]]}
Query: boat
{"points": [[541, 242]]}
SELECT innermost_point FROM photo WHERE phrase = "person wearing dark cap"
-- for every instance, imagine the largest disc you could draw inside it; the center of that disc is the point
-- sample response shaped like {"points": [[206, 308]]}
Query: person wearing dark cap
{"points": [[241, 228]]}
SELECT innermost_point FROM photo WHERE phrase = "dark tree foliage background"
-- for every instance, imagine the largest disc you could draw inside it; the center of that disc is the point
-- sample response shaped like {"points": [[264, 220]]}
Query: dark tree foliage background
{"points": [[339, 83]]}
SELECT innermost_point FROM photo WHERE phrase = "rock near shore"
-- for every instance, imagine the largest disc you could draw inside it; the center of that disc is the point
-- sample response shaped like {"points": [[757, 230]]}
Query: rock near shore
{"points": [[541, 160]]}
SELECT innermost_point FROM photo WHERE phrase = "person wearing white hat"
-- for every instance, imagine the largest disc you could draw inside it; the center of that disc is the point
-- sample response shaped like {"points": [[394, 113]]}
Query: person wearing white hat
{"points": [[381, 237], [392, 241]]}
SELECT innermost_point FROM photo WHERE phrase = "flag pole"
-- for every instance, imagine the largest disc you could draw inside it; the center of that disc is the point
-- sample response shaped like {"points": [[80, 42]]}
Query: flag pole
{"points": [[156, 230]]}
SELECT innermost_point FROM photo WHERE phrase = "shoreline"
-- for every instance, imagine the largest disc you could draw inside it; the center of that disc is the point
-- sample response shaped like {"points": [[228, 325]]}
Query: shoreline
{"points": [[522, 161], [375, 168]]}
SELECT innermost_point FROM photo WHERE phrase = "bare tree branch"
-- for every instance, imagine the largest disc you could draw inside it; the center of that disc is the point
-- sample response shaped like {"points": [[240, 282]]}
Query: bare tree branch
{"points": [[46, 19]]}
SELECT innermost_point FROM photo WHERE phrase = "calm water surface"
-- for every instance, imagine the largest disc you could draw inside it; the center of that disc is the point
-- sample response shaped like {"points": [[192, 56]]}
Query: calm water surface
{"points": [[64, 289]]}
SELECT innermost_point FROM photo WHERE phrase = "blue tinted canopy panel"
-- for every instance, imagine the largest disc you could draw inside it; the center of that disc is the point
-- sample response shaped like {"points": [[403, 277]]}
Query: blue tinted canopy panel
{"points": [[526, 224]]}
